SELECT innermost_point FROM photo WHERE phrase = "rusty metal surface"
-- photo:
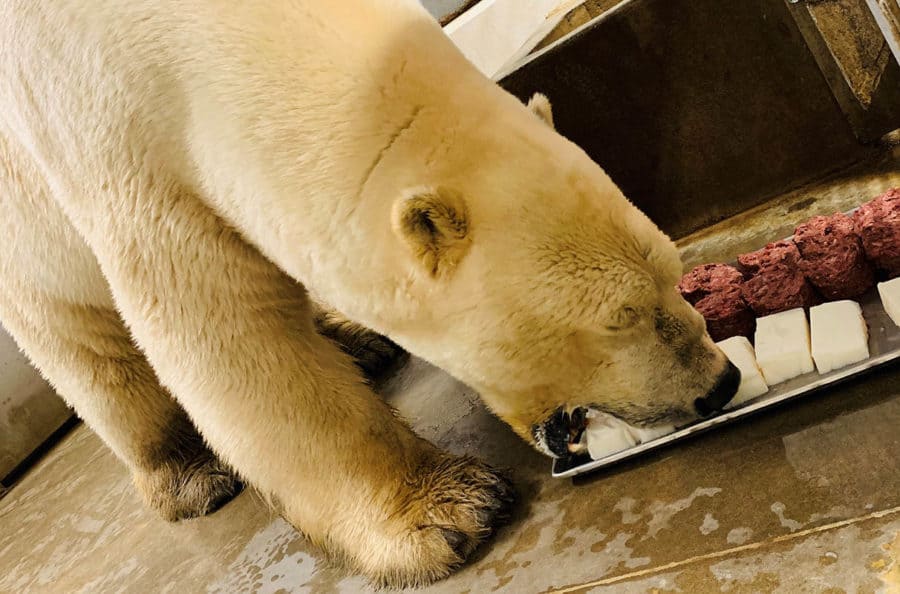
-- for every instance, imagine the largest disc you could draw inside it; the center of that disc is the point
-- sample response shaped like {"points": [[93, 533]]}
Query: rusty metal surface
{"points": [[856, 61], [698, 109], [887, 15], [854, 43]]}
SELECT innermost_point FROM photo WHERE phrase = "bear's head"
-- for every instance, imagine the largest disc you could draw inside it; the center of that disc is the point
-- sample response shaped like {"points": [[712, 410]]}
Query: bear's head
{"points": [[548, 292]]}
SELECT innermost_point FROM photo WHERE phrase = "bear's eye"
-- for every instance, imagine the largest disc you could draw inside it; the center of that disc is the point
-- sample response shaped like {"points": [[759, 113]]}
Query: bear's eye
{"points": [[623, 319]]}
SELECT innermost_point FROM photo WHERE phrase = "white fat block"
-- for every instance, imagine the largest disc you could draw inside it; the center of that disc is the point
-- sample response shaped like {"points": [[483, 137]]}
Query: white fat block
{"points": [[645, 435], [782, 346], [839, 335], [740, 352], [890, 298], [606, 434]]}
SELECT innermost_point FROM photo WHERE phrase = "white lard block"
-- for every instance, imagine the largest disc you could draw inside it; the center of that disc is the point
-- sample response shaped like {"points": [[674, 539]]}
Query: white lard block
{"points": [[606, 434], [839, 335], [740, 352], [782, 346], [890, 298]]}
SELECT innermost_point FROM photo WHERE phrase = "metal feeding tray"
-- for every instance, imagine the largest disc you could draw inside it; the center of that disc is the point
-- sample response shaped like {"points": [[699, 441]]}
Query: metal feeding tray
{"points": [[884, 347]]}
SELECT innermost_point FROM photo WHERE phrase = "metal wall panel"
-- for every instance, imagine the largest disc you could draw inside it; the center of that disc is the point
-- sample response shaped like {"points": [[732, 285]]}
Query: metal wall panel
{"points": [[698, 109]]}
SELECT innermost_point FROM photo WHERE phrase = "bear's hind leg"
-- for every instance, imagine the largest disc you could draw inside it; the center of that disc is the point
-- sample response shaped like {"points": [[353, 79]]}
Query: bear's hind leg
{"points": [[55, 303], [87, 355]]}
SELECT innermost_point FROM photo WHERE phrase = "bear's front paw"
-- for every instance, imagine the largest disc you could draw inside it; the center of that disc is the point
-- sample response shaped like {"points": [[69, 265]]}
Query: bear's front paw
{"points": [[452, 507], [375, 355], [466, 499]]}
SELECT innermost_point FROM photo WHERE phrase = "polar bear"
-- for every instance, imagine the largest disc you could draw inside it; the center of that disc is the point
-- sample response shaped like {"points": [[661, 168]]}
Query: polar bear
{"points": [[181, 181]]}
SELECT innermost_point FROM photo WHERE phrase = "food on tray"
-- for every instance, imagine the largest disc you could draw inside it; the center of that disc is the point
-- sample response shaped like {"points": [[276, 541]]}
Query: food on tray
{"points": [[606, 434], [878, 225], [890, 298], [839, 335], [708, 278], [715, 291], [775, 281], [726, 314], [740, 352], [782, 346], [836, 257], [832, 257]]}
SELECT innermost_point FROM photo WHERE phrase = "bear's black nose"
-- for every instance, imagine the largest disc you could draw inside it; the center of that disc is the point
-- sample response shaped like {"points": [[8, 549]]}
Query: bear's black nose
{"points": [[722, 392]]}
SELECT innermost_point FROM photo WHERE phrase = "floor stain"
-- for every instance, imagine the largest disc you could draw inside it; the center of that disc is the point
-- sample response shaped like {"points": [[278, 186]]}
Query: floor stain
{"points": [[792, 525], [709, 525], [662, 513], [739, 535]]}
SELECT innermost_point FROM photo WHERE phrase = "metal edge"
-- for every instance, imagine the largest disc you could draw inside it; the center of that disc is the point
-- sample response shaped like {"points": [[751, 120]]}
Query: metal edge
{"points": [[509, 69], [863, 119]]}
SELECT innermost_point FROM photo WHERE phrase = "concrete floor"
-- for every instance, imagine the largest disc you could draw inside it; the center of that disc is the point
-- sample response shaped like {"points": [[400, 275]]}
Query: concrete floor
{"points": [[805, 498]]}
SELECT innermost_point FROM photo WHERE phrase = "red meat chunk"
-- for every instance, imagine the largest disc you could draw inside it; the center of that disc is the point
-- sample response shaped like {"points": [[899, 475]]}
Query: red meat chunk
{"points": [[727, 314], [715, 291], [878, 225], [832, 257], [708, 278], [775, 281]]}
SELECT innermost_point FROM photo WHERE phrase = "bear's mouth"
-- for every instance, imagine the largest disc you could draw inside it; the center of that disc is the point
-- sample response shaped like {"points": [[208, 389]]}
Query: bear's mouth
{"points": [[560, 435], [579, 424]]}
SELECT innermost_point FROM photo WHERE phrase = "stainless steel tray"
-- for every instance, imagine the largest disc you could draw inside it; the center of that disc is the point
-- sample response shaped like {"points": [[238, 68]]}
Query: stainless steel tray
{"points": [[884, 347]]}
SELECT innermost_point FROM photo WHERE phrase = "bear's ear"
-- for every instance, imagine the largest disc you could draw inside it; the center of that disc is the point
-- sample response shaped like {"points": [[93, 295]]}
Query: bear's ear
{"points": [[540, 106], [434, 224]]}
